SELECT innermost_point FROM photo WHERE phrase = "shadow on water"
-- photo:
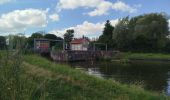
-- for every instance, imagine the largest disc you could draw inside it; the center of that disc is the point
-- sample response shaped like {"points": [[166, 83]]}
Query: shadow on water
{"points": [[154, 76]]}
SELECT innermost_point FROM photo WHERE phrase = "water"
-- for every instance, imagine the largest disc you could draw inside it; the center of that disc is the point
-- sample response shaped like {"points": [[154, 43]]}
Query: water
{"points": [[153, 76]]}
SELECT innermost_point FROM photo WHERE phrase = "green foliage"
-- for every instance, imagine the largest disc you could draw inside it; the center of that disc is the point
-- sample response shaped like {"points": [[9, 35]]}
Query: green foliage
{"points": [[14, 40], [58, 44], [146, 56], [30, 40], [31, 77], [146, 33], [52, 37], [121, 34], [69, 84], [13, 83], [154, 28], [106, 37], [68, 36], [2, 42]]}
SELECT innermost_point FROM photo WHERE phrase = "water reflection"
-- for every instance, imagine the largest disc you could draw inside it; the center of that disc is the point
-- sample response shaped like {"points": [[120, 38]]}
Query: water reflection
{"points": [[154, 76]]}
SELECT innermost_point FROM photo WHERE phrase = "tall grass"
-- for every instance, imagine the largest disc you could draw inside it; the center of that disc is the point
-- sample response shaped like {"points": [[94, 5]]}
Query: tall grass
{"points": [[14, 83], [70, 84]]}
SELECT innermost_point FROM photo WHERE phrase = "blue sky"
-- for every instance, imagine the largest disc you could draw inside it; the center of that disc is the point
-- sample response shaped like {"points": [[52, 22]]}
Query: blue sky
{"points": [[86, 17]]}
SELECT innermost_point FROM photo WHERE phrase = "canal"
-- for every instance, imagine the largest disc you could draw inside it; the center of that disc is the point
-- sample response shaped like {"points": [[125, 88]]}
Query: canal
{"points": [[153, 76]]}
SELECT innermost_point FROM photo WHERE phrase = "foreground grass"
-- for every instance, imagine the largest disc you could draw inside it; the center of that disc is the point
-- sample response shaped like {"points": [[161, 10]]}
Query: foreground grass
{"points": [[61, 82]]}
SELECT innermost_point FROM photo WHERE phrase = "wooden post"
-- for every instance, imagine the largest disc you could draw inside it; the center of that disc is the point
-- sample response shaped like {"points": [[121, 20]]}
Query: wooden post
{"points": [[94, 47], [34, 45], [106, 47], [63, 45]]}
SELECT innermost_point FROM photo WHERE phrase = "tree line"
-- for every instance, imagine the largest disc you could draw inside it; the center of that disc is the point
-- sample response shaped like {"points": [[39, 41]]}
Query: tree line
{"points": [[29, 41], [144, 33]]}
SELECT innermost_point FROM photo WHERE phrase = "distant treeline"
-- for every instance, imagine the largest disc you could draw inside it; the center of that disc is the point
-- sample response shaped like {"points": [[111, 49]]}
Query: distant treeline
{"points": [[144, 33], [11, 41]]}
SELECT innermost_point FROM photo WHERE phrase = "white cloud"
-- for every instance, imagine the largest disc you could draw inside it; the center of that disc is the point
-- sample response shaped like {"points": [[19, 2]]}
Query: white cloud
{"points": [[20, 20], [100, 7], [4, 1], [73, 4], [121, 6], [86, 28], [54, 17]]}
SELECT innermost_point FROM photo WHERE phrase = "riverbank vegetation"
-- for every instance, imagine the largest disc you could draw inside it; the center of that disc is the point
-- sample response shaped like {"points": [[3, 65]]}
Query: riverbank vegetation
{"points": [[144, 33], [143, 56], [31, 77]]}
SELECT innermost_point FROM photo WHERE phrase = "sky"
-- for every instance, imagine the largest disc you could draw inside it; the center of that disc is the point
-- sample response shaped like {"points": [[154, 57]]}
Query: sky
{"points": [[86, 17]]}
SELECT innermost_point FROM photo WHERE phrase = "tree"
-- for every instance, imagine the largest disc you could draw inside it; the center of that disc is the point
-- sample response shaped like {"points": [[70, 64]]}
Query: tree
{"points": [[30, 40], [106, 37], [154, 27], [146, 33], [2, 42], [121, 34], [37, 35], [16, 41], [53, 39], [68, 36]]}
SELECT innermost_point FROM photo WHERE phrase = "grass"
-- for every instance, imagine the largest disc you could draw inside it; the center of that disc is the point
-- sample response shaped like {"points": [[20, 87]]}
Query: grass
{"points": [[31, 77], [62, 82], [151, 56]]}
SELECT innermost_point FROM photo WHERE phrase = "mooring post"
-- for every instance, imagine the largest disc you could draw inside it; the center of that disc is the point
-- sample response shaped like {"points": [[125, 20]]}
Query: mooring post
{"points": [[106, 47], [63, 45], [94, 47], [34, 45]]}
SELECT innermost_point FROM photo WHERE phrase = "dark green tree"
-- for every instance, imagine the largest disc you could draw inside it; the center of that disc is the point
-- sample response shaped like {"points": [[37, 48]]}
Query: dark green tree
{"points": [[154, 27], [68, 36], [121, 34], [2, 42], [106, 37], [17, 41], [30, 40], [144, 33], [54, 40]]}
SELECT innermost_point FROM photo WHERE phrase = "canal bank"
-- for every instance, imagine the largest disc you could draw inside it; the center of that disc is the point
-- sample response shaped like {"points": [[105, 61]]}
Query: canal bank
{"points": [[68, 83], [142, 56]]}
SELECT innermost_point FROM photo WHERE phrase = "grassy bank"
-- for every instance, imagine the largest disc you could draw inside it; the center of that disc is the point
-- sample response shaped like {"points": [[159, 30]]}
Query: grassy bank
{"points": [[32, 77], [143, 56], [62, 82]]}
